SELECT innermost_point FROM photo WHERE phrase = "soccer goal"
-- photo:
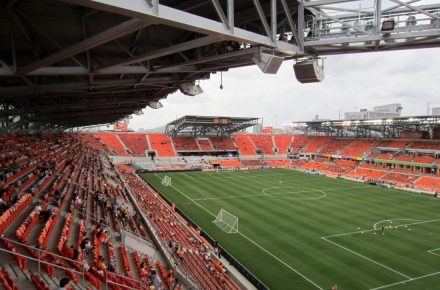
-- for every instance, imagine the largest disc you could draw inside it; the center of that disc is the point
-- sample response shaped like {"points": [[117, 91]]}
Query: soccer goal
{"points": [[227, 222], [166, 181]]}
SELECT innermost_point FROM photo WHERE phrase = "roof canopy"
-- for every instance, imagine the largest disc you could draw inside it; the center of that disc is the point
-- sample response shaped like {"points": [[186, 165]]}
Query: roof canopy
{"points": [[200, 126]]}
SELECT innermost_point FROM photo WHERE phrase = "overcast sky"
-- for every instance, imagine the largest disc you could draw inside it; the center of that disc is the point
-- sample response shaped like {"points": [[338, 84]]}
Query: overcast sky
{"points": [[357, 80]]}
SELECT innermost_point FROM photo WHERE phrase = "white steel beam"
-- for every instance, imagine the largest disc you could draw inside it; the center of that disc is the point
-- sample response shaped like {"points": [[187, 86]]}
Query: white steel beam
{"points": [[263, 20], [338, 20], [378, 37], [415, 8], [220, 13], [183, 20], [324, 2], [89, 43], [163, 52]]}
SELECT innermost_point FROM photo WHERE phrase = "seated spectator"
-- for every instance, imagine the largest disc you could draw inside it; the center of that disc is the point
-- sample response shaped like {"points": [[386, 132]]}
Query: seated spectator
{"points": [[64, 283]]}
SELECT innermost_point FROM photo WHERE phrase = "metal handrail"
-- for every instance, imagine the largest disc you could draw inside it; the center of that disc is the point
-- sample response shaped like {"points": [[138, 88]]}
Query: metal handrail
{"points": [[63, 258]]}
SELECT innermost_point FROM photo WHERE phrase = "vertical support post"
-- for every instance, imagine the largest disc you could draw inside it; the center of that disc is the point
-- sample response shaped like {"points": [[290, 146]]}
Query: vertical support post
{"points": [[273, 19], [39, 262], [301, 25], [156, 7], [231, 20], [378, 14]]}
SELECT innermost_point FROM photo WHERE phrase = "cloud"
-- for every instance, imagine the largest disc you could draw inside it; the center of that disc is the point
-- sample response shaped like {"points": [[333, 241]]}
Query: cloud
{"points": [[355, 80]]}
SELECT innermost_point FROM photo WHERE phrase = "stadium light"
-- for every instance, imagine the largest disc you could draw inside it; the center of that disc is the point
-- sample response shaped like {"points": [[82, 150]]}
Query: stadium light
{"points": [[388, 25], [155, 104], [190, 89]]}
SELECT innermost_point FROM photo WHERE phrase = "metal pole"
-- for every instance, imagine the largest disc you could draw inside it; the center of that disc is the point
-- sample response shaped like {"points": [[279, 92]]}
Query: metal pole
{"points": [[39, 263], [273, 18], [378, 16]]}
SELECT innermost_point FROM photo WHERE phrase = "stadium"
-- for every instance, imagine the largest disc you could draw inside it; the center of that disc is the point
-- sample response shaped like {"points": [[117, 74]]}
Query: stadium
{"points": [[215, 198]]}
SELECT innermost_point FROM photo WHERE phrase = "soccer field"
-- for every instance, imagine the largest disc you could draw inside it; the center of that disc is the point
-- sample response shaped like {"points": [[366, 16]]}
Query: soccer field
{"points": [[301, 231]]}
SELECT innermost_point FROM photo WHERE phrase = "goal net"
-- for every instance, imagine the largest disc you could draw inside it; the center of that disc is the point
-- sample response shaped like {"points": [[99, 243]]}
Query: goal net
{"points": [[226, 222], [166, 181]]}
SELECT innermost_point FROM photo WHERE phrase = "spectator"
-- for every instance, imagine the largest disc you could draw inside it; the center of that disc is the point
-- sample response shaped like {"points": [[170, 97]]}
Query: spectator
{"points": [[155, 280], [64, 282]]}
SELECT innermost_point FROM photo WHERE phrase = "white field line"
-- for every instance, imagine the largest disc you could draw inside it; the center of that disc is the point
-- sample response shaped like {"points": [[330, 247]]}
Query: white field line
{"points": [[259, 246], [366, 258], [248, 175], [433, 251], [265, 194], [405, 281], [388, 220], [373, 261], [371, 230], [189, 176]]}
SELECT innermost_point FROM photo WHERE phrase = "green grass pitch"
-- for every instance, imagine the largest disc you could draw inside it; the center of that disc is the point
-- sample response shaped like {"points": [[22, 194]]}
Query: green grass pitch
{"points": [[301, 231]]}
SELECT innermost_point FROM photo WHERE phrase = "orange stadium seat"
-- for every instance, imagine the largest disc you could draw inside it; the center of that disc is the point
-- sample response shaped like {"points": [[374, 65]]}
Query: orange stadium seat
{"points": [[220, 143], [282, 143], [263, 142], [244, 144], [299, 143], [162, 144], [137, 143], [112, 141], [334, 147], [205, 145], [316, 143], [185, 144]]}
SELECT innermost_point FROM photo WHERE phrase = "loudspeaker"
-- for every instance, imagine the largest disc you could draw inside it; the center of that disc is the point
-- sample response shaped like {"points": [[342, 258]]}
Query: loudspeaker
{"points": [[268, 63], [309, 71]]}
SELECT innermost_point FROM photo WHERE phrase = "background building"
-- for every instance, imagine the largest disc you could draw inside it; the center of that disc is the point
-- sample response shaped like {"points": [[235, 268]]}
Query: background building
{"points": [[385, 111]]}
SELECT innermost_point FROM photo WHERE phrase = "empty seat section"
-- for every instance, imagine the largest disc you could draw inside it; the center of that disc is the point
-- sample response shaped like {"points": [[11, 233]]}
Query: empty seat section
{"points": [[428, 183], [401, 180], [162, 144], [393, 144], [283, 143], [230, 163], [424, 159], [244, 145], [358, 148], [220, 143], [406, 158], [113, 141], [316, 143], [263, 142], [185, 144], [137, 143], [335, 146], [278, 163], [427, 145], [205, 145], [299, 143]]}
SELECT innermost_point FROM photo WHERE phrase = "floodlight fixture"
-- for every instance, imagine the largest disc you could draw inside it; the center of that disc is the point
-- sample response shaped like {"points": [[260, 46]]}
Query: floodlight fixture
{"points": [[388, 25], [190, 89], [155, 104]]}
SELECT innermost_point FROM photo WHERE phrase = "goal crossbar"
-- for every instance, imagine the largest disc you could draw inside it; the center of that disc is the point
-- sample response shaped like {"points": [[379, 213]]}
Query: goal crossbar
{"points": [[226, 222]]}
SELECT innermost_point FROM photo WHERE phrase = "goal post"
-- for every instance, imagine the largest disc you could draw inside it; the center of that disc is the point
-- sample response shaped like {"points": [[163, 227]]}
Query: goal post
{"points": [[226, 222], [166, 181]]}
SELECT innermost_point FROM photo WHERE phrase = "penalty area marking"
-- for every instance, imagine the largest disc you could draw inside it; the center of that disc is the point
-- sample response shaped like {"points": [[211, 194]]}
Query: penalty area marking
{"points": [[253, 242], [326, 238], [433, 251], [391, 220], [405, 281]]}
